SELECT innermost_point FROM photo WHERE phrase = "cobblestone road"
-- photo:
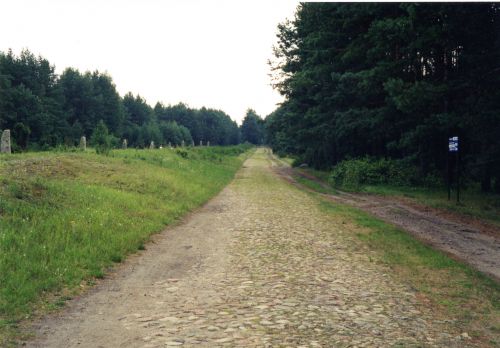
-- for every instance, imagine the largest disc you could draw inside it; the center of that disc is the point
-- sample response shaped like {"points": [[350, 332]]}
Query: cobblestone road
{"points": [[261, 265]]}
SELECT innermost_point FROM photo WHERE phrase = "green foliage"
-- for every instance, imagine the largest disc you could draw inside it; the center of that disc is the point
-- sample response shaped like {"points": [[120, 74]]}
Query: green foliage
{"points": [[175, 134], [352, 174], [182, 152], [474, 203], [101, 139], [21, 134], [31, 101], [44, 110], [66, 217], [390, 80], [179, 122], [252, 128]]}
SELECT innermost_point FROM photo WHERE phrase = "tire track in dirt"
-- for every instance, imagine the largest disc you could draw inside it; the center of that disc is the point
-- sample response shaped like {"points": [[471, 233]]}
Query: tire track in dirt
{"points": [[475, 244]]}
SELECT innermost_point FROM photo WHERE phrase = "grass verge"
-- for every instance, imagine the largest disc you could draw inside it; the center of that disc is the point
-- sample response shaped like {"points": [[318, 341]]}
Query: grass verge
{"points": [[314, 185], [66, 217], [473, 202]]}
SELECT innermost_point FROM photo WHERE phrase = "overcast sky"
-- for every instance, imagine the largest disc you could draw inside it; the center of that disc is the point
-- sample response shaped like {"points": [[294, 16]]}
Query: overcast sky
{"points": [[205, 53]]}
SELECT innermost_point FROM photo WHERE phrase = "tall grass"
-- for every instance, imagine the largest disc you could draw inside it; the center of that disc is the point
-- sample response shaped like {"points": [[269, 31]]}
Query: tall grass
{"points": [[66, 217]]}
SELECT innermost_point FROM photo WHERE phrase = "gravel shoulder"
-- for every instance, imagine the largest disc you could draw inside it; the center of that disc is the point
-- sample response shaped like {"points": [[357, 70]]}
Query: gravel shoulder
{"points": [[260, 265]]}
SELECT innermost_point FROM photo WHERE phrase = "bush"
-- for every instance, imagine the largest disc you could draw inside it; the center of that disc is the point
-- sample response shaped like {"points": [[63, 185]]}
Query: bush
{"points": [[101, 139], [182, 152], [354, 173]]}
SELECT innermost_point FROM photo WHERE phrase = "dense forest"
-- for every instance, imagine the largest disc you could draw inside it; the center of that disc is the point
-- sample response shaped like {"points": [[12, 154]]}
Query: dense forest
{"points": [[44, 110], [392, 82]]}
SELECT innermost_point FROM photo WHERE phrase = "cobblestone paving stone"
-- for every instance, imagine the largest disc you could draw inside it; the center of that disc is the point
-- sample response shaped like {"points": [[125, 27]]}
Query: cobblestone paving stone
{"points": [[294, 280], [291, 277]]}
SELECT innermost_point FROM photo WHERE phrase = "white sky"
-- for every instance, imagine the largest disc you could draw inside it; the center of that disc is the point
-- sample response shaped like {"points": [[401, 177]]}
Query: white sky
{"points": [[204, 53]]}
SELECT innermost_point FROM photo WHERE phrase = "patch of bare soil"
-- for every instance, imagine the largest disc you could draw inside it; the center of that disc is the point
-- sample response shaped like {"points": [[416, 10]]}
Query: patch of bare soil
{"points": [[467, 239]]}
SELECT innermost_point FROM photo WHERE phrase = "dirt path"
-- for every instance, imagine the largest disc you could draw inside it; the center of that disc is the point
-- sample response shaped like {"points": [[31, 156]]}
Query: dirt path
{"points": [[474, 243], [259, 266]]}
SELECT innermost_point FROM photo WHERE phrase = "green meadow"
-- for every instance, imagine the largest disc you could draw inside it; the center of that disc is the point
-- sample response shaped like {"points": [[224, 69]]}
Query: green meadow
{"points": [[66, 217]]}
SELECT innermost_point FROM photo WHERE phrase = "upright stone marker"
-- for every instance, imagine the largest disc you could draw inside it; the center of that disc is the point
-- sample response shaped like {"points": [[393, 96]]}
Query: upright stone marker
{"points": [[169, 144], [208, 143], [124, 144], [5, 142], [83, 143], [192, 143], [182, 143], [152, 145], [201, 142]]}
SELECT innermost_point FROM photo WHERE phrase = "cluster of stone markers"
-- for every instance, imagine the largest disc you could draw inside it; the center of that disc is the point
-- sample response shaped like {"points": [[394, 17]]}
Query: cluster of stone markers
{"points": [[5, 146]]}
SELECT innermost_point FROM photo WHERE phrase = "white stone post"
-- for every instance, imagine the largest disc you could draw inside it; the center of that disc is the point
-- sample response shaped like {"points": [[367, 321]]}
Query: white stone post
{"points": [[83, 143], [5, 142]]}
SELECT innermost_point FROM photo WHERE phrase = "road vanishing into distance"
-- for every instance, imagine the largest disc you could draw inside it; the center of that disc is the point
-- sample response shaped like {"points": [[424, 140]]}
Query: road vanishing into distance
{"points": [[260, 265]]}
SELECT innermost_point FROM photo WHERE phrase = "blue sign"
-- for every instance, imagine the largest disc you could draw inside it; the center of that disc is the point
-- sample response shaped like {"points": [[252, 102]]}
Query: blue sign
{"points": [[453, 144]]}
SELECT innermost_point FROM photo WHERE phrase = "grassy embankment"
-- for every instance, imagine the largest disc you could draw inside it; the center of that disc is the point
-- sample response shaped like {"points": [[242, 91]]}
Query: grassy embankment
{"points": [[447, 286], [66, 217]]}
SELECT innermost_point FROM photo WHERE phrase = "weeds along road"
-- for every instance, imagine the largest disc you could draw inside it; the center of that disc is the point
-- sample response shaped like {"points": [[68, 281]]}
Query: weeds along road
{"points": [[260, 265]]}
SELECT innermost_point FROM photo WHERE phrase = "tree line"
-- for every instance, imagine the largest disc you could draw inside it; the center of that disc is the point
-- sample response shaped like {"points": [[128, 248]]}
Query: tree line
{"points": [[44, 110], [390, 81]]}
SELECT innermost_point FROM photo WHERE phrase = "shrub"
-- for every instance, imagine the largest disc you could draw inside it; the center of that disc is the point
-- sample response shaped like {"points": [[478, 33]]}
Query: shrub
{"points": [[101, 139], [354, 173], [181, 152]]}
